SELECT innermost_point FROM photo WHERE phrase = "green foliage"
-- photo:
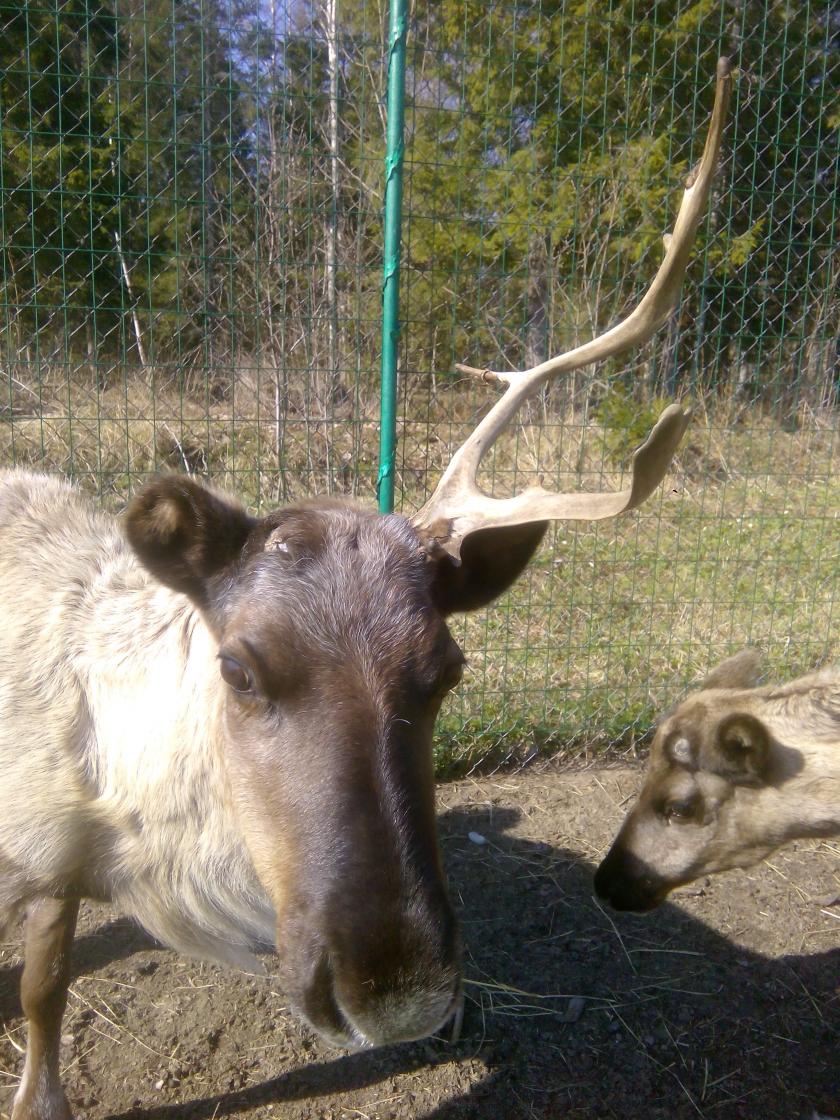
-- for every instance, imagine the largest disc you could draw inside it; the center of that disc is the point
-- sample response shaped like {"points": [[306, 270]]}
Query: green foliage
{"points": [[187, 146], [626, 421], [76, 173], [548, 144], [735, 251]]}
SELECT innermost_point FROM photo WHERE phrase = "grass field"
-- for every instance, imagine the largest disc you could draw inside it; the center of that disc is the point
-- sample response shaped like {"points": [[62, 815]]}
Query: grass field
{"points": [[613, 620]]}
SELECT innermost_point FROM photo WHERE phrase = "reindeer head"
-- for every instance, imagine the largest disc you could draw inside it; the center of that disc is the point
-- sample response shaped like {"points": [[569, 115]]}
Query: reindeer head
{"points": [[333, 659], [720, 791]]}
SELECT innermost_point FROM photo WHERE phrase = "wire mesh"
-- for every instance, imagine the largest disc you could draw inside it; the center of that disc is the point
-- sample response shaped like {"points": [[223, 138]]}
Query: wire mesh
{"points": [[190, 216]]}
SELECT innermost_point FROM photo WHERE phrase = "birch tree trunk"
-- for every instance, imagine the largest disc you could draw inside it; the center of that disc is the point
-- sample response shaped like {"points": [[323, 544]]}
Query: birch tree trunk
{"points": [[330, 30]]}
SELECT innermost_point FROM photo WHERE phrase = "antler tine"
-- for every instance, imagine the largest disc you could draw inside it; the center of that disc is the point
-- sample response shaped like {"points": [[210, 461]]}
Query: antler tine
{"points": [[458, 506]]}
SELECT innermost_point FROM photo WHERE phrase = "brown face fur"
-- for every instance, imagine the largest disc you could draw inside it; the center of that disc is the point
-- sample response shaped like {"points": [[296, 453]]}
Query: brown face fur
{"points": [[334, 656]]}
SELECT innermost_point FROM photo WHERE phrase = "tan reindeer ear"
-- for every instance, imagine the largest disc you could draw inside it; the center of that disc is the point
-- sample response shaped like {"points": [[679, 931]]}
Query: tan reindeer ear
{"points": [[742, 670], [742, 748], [491, 560], [184, 533]]}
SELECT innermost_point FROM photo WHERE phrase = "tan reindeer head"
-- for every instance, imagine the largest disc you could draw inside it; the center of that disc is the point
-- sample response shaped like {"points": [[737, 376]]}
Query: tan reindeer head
{"points": [[735, 771], [459, 508]]}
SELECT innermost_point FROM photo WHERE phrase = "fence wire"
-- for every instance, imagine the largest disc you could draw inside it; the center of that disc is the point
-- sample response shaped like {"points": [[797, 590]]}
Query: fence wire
{"points": [[190, 217]]}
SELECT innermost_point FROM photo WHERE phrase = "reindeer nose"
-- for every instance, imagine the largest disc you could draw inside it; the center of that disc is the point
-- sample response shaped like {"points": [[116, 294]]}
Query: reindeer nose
{"points": [[394, 977], [399, 983], [405, 1013], [626, 883], [377, 1014]]}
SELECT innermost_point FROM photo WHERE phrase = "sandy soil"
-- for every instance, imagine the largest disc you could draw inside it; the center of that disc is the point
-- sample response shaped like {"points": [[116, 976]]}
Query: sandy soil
{"points": [[724, 1003]]}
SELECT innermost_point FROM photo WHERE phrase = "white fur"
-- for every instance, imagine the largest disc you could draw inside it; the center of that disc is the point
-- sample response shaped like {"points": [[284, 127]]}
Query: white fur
{"points": [[111, 778]]}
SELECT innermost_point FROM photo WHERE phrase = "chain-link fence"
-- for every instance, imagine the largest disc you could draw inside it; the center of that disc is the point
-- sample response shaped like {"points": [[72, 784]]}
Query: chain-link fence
{"points": [[190, 200]]}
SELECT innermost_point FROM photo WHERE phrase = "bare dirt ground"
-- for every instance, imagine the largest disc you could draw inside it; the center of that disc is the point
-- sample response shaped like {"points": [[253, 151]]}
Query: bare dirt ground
{"points": [[724, 1003]]}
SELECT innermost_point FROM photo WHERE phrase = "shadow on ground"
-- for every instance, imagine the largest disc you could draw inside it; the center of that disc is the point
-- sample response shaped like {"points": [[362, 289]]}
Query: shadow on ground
{"points": [[110, 942], [675, 1022]]}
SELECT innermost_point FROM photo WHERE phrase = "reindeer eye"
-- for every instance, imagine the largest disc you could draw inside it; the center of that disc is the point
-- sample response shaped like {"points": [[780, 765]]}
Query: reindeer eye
{"points": [[681, 811], [235, 675]]}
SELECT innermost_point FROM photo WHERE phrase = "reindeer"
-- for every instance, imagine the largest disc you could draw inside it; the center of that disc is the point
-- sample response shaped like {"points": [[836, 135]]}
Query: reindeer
{"points": [[735, 771], [223, 723]]}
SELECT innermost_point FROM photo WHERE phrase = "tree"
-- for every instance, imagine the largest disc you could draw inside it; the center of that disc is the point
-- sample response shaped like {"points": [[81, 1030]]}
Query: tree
{"points": [[82, 220], [547, 140]]}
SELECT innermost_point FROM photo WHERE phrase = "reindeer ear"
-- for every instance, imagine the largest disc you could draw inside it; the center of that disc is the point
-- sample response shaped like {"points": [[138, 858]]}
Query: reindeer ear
{"points": [[185, 534], [491, 560], [742, 749], [742, 670]]}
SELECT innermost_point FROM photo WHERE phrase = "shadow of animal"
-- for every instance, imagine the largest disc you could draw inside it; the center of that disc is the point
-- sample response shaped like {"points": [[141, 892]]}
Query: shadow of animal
{"points": [[676, 1022], [109, 943]]}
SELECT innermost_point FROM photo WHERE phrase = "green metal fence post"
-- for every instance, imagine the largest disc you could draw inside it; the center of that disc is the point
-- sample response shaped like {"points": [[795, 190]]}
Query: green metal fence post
{"points": [[395, 149]]}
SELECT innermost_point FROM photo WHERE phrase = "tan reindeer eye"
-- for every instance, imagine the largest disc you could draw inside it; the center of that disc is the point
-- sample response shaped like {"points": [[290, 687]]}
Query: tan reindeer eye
{"points": [[681, 811], [235, 675]]}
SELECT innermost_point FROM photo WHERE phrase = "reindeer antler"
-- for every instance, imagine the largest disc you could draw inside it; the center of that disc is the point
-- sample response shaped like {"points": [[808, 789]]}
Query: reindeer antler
{"points": [[459, 506]]}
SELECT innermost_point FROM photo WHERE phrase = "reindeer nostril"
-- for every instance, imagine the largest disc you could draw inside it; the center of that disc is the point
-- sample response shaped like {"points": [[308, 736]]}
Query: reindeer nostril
{"points": [[319, 1006], [625, 882]]}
